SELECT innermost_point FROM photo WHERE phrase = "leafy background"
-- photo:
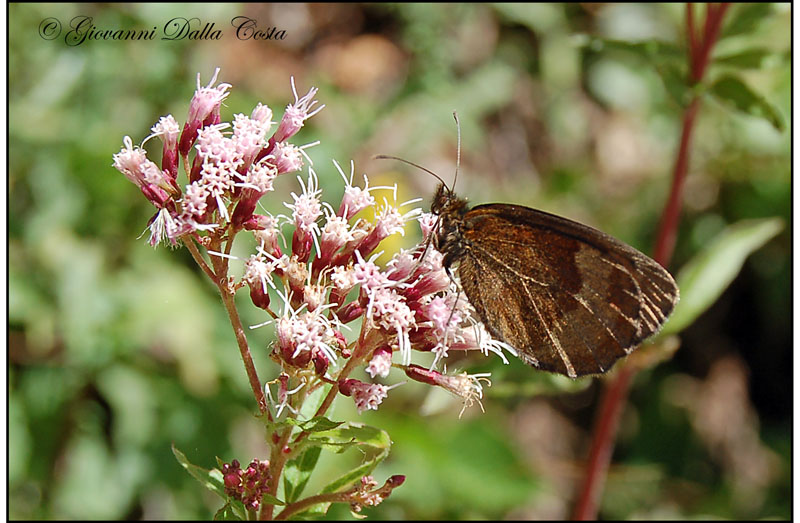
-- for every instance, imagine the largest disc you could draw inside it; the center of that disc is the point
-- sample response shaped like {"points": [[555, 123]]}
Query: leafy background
{"points": [[117, 351]]}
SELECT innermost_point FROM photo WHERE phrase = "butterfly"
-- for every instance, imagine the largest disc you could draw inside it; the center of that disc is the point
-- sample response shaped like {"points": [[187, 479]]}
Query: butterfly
{"points": [[569, 298]]}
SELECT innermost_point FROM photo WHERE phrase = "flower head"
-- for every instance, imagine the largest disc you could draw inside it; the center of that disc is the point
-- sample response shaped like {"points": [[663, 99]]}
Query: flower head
{"points": [[296, 114], [366, 396], [207, 100]]}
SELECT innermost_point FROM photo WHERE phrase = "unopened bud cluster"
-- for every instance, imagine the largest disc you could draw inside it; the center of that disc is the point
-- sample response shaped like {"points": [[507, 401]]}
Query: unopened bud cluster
{"points": [[248, 485], [366, 494]]}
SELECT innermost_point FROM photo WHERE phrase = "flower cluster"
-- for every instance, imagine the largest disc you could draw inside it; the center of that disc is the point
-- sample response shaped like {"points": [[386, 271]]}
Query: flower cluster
{"points": [[329, 279], [320, 259], [248, 485], [234, 165]]}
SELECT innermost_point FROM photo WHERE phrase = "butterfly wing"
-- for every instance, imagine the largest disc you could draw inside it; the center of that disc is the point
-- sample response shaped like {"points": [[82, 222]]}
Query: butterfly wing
{"points": [[568, 297]]}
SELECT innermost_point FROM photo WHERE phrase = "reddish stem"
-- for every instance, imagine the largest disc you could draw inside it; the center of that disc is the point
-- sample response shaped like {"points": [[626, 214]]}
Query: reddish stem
{"points": [[616, 393], [711, 32], [602, 444], [668, 229], [692, 34]]}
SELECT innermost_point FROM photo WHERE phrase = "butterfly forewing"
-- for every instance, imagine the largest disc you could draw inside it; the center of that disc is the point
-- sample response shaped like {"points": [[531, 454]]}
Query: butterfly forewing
{"points": [[569, 298]]}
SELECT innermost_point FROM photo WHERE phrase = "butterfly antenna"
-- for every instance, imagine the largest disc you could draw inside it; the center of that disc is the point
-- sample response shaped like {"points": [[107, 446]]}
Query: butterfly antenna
{"points": [[388, 157], [458, 149]]}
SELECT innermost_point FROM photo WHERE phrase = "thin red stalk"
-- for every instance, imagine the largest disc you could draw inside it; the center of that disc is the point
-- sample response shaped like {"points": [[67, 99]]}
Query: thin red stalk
{"points": [[711, 32], [296, 507], [668, 229], [600, 453], [616, 394], [692, 33], [244, 348], [198, 258], [236, 323]]}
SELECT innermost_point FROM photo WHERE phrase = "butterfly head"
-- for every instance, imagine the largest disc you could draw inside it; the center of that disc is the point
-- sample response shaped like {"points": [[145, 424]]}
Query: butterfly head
{"points": [[446, 203]]}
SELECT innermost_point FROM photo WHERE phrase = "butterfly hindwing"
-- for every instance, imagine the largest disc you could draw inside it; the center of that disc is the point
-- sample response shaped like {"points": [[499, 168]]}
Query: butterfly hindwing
{"points": [[569, 298]]}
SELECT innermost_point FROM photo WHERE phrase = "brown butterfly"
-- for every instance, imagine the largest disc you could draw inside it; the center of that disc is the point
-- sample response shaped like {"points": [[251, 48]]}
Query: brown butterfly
{"points": [[569, 298]]}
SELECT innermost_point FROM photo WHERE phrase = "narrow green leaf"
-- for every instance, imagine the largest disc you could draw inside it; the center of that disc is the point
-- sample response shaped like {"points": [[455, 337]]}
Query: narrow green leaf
{"points": [[227, 513], [354, 433], [297, 473], [318, 424], [733, 92], [211, 479], [649, 50], [356, 474], [675, 83], [748, 59], [708, 274], [278, 426], [746, 17], [271, 500], [313, 512]]}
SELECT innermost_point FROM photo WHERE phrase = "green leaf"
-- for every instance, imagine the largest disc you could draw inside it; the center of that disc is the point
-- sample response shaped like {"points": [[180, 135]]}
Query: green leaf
{"points": [[538, 17], [733, 92], [649, 50], [675, 83], [278, 426], [356, 474], [228, 513], [339, 439], [668, 60], [708, 274], [352, 433], [211, 479], [297, 473], [271, 500], [318, 424], [746, 18], [749, 59]]}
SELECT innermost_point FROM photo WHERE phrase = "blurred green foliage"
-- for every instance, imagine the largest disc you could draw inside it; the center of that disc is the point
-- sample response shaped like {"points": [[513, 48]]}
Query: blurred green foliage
{"points": [[117, 351]]}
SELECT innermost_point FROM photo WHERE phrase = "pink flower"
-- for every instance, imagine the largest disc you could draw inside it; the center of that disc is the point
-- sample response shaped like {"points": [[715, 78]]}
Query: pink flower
{"points": [[464, 385], [258, 275], [381, 362], [203, 110], [207, 100], [427, 223], [365, 395], [249, 485], [287, 158], [248, 135], [355, 199], [307, 206], [302, 335], [296, 114], [133, 163], [167, 129]]}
